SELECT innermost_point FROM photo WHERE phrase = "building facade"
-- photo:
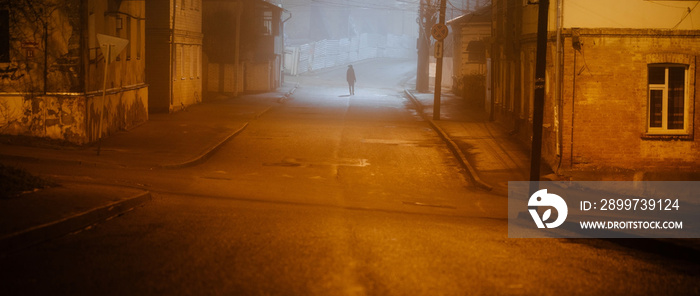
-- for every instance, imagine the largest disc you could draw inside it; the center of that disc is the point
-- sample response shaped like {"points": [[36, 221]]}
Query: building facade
{"points": [[620, 87], [52, 69], [243, 47], [174, 48], [470, 37]]}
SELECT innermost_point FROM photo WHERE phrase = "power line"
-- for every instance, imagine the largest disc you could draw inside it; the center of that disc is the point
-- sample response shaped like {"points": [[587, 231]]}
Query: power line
{"points": [[365, 5], [686, 15]]}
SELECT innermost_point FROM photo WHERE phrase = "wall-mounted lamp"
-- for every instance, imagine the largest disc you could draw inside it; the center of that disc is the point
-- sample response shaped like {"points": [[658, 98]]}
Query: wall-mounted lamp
{"points": [[119, 23]]}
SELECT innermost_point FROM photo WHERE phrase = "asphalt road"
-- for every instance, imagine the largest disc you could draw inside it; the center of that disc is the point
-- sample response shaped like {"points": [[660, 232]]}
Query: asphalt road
{"points": [[328, 194]]}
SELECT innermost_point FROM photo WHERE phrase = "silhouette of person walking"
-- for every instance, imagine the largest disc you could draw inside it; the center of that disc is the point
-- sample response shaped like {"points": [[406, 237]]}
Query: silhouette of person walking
{"points": [[350, 75]]}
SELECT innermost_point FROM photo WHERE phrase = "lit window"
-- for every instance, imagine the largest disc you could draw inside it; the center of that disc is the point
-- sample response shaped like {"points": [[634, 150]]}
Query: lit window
{"points": [[667, 98]]}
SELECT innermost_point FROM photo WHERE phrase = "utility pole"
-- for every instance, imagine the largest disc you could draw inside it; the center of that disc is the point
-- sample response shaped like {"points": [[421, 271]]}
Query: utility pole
{"points": [[538, 104], [425, 21], [439, 31]]}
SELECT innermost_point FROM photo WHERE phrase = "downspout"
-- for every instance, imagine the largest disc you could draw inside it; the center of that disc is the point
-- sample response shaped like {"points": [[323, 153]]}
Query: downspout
{"points": [[237, 50], [290, 16], [558, 83], [172, 56], [84, 48], [46, 55], [283, 46], [573, 113]]}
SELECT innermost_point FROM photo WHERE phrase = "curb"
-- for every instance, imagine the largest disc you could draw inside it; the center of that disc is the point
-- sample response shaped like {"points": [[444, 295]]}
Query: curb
{"points": [[37, 234], [287, 96], [463, 161], [202, 157], [209, 152]]}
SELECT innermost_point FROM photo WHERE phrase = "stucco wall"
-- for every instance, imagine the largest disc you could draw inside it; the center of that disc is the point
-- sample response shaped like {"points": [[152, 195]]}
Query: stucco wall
{"points": [[122, 110], [61, 118], [72, 118], [51, 92]]}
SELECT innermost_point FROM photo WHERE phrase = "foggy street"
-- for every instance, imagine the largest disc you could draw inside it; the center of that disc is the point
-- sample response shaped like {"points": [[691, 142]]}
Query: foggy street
{"points": [[326, 194]]}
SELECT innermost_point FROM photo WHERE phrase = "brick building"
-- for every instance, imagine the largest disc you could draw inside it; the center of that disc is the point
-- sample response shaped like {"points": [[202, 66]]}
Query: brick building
{"points": [[174, 49], [621, 84], [51, 68], [243, 46]]}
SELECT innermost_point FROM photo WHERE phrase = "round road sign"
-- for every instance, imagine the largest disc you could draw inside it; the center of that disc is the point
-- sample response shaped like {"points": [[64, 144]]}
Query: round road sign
{"points": [[439, 31]]}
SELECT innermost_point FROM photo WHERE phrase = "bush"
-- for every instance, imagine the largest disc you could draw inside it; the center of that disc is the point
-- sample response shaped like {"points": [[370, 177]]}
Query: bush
{"points": [[473, 88], [14, 182]]}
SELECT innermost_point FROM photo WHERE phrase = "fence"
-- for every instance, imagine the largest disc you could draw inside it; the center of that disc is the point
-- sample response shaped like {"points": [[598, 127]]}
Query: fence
{"points": [[328, 53]]}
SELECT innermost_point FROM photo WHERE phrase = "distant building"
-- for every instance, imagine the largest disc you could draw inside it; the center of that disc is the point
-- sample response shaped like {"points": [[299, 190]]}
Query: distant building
{"points": [[621, 84], [51, 68], [243, 46], [471, 36], [174, 49]]}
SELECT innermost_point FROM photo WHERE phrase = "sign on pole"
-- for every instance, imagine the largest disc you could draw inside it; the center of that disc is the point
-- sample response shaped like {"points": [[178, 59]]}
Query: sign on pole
{"points": [[116, 45], [439, 49], [439, 31], [111, 48]]}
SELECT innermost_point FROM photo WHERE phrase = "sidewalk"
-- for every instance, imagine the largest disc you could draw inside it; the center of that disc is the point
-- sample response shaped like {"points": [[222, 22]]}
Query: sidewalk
{"points": [[491, 156], [166, 141]]}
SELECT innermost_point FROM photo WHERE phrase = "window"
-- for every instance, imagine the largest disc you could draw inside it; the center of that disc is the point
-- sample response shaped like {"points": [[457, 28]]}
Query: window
{"points": [[4, 36], [192, 61], [182, 62], [138, 39], [128, 37], [199, 61], [667, 99], [92, 38], [267, 23], [477, 51]]}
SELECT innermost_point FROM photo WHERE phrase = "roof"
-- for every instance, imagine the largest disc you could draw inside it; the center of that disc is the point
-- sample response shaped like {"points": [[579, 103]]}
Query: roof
{"points": [[270, 5], [482, 15]]}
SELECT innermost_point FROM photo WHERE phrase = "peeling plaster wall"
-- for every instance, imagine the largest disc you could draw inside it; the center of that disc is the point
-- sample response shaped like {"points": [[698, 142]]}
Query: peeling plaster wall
{"points": [[55, 117], [72, 118], [55, 77], [122, 111]]}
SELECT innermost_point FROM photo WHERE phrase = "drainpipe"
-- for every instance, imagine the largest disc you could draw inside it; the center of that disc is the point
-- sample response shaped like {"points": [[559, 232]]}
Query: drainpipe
{"points": [[173, 57], [283, 46], [558, 82], [237, 50], [46, 56], [290, 15]]}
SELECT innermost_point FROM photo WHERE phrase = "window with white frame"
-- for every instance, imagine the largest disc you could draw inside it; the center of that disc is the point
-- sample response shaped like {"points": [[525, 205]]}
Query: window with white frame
{"points": [[667, 99]]}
